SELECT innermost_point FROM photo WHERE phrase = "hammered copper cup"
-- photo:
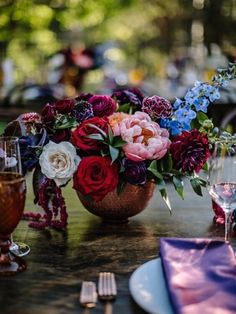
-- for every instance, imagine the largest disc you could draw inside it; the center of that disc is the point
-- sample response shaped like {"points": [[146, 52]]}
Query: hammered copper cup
{"points": [[12, 202], [116, 208]]}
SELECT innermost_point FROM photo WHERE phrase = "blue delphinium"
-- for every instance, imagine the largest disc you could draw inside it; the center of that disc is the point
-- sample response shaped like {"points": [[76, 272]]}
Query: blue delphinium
{"points": [[197, 99]]}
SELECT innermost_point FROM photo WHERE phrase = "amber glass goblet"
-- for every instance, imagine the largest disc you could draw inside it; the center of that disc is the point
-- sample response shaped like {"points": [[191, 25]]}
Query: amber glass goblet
{"points": [[10, 161], [12, 202]]}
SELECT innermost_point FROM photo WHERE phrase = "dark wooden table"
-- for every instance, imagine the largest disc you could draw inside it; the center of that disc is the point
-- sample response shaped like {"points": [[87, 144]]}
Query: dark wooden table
{"points": [[59, 261]]}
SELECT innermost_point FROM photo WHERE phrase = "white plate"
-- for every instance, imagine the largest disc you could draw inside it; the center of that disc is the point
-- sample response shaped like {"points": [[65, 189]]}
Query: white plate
{"points": [[148, 288]]}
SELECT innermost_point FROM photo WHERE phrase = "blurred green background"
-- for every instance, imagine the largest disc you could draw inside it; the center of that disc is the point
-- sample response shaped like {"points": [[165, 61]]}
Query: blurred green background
{"points": [[160, 46]]}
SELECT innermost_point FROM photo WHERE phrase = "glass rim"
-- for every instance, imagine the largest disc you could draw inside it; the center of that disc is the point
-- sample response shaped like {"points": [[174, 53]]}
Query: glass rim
{"points": [[9, 138], [19, 177]]}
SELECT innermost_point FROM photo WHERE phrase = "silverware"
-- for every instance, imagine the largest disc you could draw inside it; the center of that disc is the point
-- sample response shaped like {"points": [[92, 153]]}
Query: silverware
{"points": [[107, 290], [88, 296]]}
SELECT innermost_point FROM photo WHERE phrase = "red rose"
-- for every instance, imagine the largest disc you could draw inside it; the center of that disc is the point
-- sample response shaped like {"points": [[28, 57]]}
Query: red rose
{"points": [[80, 137], [96, 176], [102, 105], [65, 105], [190, 151]]}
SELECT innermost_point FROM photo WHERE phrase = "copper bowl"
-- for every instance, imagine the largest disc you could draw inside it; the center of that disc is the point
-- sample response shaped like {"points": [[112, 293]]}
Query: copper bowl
{"points": [[118, 208]]}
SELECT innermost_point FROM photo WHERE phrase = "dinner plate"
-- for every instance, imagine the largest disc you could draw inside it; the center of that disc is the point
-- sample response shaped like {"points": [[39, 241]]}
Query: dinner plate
{"points": [[148, 288]]}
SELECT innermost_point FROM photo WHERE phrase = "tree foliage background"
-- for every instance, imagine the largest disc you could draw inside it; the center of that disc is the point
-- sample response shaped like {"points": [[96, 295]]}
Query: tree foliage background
{"points": [[147, 31]]}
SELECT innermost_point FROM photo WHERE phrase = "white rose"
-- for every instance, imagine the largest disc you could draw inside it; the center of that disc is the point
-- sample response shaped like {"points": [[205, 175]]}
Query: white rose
{"points": [[59, 161]]}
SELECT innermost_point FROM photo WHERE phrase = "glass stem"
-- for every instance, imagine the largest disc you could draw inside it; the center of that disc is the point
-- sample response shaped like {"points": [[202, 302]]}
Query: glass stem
{"points": [[227, 224]]}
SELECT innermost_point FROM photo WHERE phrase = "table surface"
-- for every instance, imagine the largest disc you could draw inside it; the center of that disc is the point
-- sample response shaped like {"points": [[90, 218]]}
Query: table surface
{"points": [[60, 261]]}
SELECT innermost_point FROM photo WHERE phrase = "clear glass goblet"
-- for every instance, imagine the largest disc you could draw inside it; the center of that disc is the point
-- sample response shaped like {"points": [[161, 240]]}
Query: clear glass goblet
{"points": [[222, 179], [12, 202], [10, 161]]}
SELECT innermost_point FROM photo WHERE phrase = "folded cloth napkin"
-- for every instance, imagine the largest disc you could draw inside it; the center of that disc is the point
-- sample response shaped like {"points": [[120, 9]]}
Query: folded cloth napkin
{"points": [[200, 275]]}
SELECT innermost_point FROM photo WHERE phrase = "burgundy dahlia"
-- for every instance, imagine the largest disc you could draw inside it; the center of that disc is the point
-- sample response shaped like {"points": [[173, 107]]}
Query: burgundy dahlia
{"points": [[48, 115], [135, 172], [157, 107], [132, 96], [64, 105], [103, 105], [190, 151], [83, 96]]}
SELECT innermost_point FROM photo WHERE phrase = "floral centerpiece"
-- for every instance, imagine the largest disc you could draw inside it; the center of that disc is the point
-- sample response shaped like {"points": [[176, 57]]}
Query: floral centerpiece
{"points": [[103, 142]]}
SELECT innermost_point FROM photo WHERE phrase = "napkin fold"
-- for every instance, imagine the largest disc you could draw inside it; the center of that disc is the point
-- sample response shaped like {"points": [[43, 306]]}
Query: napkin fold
{"points": [[200, 275]]}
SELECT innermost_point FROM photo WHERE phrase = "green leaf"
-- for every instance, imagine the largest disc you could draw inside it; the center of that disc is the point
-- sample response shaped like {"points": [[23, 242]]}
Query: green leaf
{"points": [[161, 184], [167, 163], [98, 129], [124, 108], [196, 185], [98, 137], [179, 186], [206, 166], [122, 168], [114, 152], [118, 142], [177, 173], [120, 187], [201, 117], [162, 188], [110, 135], [153, 169], [195, 124], [64, 122], [202, 182]]}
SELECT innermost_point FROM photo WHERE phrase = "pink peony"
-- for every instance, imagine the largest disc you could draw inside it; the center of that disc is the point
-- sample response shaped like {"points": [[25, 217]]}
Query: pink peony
{"points": [[115, 120], [145, 139]]}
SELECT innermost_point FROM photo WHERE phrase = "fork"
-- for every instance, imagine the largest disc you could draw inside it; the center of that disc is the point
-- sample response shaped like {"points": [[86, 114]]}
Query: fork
{"points": [[88, 296], [107, 290]]}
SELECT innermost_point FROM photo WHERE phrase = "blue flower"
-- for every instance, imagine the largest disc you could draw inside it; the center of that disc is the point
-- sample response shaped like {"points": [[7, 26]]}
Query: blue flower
{"points": [[185, 115], [201, 104], [191, 95], [214, 94], [178, 103], [175, 127]]}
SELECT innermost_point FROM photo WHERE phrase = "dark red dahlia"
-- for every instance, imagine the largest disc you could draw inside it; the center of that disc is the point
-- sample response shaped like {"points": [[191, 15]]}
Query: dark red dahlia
{"points": [[157, 107], [190, 151], [83, 96], [103, 105], [64, 105], [48, 113]]}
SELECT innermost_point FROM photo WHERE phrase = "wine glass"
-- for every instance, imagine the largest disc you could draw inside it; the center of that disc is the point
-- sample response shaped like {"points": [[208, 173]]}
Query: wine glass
{"points": [[12, 202], [222, 179], [10, 161]]}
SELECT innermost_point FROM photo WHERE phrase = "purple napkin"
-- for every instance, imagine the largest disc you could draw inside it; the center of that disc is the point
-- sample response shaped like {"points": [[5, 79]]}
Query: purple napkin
{"points": [[200, 275]]}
